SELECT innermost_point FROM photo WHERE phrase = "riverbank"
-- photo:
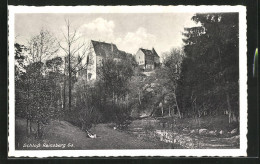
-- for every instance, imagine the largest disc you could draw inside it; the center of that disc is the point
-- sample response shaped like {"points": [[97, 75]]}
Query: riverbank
{"points": [[201, 133]]}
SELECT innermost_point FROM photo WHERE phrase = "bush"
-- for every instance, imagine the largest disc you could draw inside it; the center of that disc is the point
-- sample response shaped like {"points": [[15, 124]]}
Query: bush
{"points": [[149, 128]]}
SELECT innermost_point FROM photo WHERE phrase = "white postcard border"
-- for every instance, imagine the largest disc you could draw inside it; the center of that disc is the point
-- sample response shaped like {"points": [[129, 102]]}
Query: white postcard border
{"points": [[137, 152]]}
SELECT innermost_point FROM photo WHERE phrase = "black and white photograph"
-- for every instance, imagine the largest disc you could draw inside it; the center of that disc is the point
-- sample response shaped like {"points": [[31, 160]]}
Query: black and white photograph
{"points": [[127, 81]]}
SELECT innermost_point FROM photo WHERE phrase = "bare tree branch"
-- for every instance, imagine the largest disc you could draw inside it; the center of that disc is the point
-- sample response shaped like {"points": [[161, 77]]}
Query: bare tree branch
{"points": [[42, 46], [66, 51], [77, 49]]}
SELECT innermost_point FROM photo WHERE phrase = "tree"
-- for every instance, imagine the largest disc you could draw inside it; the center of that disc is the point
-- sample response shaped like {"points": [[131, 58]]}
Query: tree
{"points": [[42, 46], [86, 106], [36, 94], [210, 67], [20, 51], [34, 87], [55, 78], [171, 71], [54, 64], [75, 54], [20, 70], [114, 77]]}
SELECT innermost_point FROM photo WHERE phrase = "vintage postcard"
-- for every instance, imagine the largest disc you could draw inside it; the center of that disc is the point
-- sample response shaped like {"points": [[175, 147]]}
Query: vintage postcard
{"points": [[127, 81]]}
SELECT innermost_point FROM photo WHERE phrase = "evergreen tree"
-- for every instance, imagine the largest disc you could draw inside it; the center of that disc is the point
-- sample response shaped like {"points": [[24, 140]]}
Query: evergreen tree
{"points": [[209, 79]]}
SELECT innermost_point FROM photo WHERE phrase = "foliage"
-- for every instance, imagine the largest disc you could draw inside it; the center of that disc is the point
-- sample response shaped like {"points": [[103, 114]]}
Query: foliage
{"points": [[149, 128], [102, 100], [42, 46], [209, 73], [114, 77], [19, 57], [55, 82], [37, 91], [36, 94], [86, 109]]}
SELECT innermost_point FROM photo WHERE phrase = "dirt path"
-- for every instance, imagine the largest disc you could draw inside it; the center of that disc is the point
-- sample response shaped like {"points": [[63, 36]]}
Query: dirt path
{"points": [[64, 133]]}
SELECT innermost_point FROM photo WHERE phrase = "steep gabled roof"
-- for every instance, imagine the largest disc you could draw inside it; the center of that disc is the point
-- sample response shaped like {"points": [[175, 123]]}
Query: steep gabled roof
{"points": [[104, 49], [154, 52], [147, 52], [108, 49], [150, 53]]}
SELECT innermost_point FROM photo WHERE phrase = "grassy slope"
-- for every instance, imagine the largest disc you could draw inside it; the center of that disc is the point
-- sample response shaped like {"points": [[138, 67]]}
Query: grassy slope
{"points": [[63, 133]]}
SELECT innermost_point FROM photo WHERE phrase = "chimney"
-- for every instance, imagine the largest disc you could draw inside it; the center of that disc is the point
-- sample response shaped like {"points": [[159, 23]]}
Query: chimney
{"points": [[111, 46]]}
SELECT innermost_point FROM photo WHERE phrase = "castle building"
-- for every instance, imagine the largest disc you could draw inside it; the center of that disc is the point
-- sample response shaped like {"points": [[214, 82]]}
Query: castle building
{"points": [[98, 52], [147, 59]]}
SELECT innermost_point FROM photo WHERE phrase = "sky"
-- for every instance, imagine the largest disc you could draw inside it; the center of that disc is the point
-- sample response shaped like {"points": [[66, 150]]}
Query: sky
{"points": [[129, 31]]}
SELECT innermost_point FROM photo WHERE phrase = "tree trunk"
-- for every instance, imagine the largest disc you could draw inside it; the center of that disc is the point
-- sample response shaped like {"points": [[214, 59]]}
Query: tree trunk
{"points": [[178, 110], [69, 90], [27, 109], [82, 127], [64, 87], [139, 97], [162, 111], [27, 126], [127, 100], [113, 98], [161, 106], [61, 100], [69, 67], [38, 129], [64, 95], [229, 109], [69, 83], [30, 123]]}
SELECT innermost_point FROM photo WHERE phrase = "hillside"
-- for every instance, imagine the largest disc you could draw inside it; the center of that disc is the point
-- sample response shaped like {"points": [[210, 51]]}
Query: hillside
{"points": [[60, 133], [147, 133]]}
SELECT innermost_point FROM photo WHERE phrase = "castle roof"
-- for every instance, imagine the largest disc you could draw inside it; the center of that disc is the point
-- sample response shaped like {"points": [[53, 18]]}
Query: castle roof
{"points": [[149, 53], [104, 49], [108, 49]]}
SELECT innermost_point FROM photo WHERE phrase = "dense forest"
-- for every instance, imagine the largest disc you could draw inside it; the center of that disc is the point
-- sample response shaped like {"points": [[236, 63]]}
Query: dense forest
{"points": [[209, 78], [198, 80]]}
